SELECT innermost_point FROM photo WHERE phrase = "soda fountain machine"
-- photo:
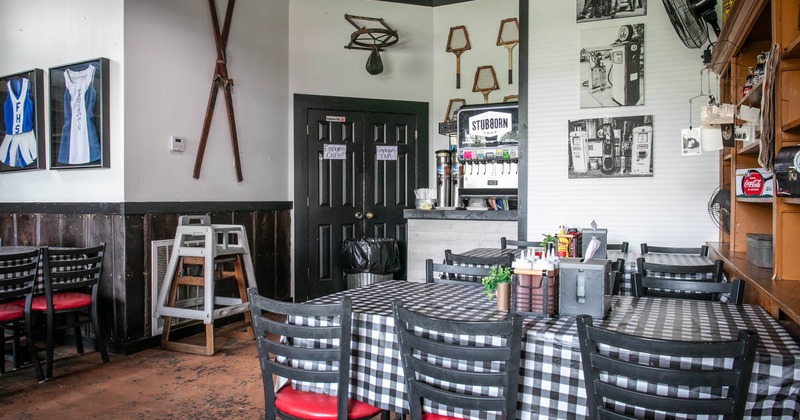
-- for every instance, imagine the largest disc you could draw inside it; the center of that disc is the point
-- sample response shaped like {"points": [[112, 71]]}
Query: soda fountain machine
{"points": [[488, 155]]}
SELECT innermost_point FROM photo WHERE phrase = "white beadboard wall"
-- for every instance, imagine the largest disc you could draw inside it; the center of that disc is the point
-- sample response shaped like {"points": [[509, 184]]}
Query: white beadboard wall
{"points": [[666, 209], [430, 238]]}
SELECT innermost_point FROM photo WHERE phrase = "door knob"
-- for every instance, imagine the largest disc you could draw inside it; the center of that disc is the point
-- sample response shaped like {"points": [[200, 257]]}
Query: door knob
{"points": [[370, 215], [359, 215]]}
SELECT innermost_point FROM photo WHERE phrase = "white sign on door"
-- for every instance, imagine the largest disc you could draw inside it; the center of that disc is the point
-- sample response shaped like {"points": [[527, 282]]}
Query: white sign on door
{"points": [[334, 151], [386, 152]]}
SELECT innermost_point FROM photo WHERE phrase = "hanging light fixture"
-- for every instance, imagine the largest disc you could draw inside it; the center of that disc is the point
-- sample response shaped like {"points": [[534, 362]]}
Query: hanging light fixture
{"points": [[373, 39]]}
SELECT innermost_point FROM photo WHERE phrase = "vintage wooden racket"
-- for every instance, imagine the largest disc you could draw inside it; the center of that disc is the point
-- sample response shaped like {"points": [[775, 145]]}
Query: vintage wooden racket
{"points": [[452, 108], [485, 82], [457, 43], [508, 36]]}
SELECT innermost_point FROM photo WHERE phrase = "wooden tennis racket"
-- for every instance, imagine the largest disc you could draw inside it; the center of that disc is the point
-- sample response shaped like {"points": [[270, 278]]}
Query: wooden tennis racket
{"points": [[457, 43], [485, 82], [508, 36]]}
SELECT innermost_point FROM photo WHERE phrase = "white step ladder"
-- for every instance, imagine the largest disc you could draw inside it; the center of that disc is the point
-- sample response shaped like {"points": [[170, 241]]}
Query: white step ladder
{"points": [[199, 245]]}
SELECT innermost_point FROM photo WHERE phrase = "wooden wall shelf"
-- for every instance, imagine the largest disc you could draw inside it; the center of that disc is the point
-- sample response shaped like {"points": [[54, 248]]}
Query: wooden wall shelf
{"points": [[753, 98], [792, 200], [779, 298], [740, 23], [792, 125], [750, 149], [754, 200], [793, 50]]}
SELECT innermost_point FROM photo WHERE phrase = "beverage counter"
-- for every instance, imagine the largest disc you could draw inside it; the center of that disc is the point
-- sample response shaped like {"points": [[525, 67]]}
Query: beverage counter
{"points": [[430, 232]]}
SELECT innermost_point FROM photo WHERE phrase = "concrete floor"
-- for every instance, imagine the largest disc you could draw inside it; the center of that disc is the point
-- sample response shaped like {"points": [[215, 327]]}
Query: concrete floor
{"points": [[151, 384]]}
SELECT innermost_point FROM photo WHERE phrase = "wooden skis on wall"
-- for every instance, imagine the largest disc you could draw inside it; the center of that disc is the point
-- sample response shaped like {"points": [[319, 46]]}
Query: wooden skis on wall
{"points": [[220, 81]]}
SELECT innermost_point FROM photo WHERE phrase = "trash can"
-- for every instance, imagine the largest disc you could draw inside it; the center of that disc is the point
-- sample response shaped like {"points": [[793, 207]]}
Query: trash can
{"points": [[369, 260]]}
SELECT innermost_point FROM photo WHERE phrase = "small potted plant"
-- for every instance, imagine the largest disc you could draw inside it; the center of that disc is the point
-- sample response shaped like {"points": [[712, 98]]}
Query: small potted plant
{"points": [[498, 283]]}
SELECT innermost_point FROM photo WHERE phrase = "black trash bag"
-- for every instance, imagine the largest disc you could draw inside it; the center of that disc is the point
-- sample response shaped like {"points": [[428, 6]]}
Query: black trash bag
{"points": [[370, 255]]}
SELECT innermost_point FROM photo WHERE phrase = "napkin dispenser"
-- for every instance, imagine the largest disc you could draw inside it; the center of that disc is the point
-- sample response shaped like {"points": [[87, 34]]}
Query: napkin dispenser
{"points": [[583, 286], [601, 235]]}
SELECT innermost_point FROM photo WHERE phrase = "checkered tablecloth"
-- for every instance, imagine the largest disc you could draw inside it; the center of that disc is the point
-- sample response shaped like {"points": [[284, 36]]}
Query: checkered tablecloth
{"points": [[38, 287], [551, 384]]}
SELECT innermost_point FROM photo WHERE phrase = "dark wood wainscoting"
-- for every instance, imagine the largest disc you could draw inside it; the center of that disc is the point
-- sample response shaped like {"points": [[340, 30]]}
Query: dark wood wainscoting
{"points": [[128, 230]]}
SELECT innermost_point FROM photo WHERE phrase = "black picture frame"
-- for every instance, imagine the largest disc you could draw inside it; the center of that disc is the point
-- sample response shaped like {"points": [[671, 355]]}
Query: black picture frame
{"points": [[89, 87], [22, 145]]}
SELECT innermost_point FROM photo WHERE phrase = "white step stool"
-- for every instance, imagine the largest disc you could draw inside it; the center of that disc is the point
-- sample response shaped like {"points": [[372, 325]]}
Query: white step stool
{"points": [[209, 248]]}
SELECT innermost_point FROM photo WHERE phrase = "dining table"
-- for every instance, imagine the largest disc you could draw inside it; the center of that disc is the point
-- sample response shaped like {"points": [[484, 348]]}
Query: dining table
{"points": [[551, 378], [38, 287]]}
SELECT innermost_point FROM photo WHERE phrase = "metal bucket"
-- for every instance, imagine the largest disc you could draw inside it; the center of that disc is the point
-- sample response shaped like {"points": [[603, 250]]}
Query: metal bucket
{"points": [[363, 279]]}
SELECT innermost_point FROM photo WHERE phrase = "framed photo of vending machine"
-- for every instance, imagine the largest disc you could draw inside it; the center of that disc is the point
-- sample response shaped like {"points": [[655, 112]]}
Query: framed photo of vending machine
{"points": [[22, 145], [79, 115]]}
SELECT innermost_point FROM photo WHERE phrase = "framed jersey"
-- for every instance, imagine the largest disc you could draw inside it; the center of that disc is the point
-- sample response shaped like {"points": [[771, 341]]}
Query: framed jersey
{"points": [[79, 103], [22, 135]]}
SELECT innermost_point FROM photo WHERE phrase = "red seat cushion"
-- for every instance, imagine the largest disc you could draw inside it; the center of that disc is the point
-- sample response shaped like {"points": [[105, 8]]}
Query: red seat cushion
{"points": [[426, 416], [61, 301], [313, 406], [10, 311]]}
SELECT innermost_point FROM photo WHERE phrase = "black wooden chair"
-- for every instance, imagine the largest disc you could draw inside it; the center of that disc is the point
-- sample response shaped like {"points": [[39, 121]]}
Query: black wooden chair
{"points": [[505, 243], [701, 250], [494, 367], [285, 342], [17, 279], [451, 258], [623, 247], [616, 282], [699, 282], [618, 265], [71, 286], [454, 274], [624, 356]]}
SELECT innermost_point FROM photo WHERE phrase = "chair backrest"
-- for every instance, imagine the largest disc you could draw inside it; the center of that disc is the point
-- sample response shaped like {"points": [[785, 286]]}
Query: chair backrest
{"points": [[290, 343], [493, 364], [700, 282], [623, 247], [626, 356], [616, 282], [505, 243], [72, 268], [618, 265], [701, 250], [18, 274], [460, 259], [454, 274]]}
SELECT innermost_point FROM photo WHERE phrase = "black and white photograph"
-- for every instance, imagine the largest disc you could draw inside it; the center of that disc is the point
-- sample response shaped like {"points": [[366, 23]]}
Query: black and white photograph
{"points": [[611, 147], [612, 66], [79, 101], [594, 10], [690, 142], [22, 126]]}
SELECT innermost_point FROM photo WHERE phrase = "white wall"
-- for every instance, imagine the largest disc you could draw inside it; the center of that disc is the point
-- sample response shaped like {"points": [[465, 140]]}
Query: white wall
{"points": [[170, 56], [667, 209], [320, 65], [50, 33], [482, 20]]}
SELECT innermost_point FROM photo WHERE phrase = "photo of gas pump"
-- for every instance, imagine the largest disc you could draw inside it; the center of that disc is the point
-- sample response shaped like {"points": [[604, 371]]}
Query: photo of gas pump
{"points": [[612, 66], [611, 147]]}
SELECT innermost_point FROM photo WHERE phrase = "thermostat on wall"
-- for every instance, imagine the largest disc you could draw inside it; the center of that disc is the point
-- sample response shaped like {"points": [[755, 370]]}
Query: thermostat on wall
{"points": [[177, 144]]}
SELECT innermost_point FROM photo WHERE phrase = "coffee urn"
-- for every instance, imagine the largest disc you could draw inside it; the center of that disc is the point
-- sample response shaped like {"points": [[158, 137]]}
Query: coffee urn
{"points": [[444, 182]]}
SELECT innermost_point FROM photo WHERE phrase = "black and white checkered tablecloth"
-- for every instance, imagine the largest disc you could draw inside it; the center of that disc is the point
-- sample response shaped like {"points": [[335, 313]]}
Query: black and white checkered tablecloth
{"points": [[551, 384], [630, 258]]}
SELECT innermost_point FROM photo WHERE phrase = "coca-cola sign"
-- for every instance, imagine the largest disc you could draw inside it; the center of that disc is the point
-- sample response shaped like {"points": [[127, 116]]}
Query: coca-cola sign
{"points": [[753, 183]]}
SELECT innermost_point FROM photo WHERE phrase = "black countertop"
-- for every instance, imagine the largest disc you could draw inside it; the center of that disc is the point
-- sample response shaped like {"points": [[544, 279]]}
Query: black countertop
{"points": [[510, 215]]}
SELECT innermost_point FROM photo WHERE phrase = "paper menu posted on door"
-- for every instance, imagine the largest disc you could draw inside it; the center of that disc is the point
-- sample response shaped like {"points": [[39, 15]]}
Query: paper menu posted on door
{"points": [[386, 152], [334, 151]]}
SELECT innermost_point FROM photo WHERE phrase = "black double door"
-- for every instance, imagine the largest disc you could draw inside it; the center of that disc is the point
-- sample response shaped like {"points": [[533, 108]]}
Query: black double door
{"points": [[361, 161]]}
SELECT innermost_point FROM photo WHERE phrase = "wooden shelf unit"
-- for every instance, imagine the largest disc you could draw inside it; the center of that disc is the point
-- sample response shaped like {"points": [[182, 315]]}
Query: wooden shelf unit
{"points": [[752, 27]]}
